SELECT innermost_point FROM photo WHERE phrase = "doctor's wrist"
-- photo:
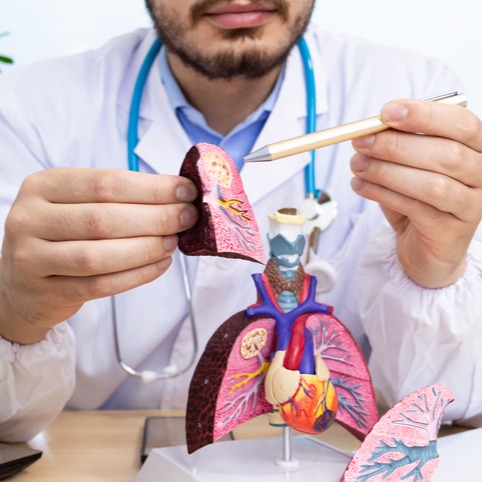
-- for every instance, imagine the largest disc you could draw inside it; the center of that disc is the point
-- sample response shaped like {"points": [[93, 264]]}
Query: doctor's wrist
{"points": [[23, 333], [16, 329], [435, 277]]}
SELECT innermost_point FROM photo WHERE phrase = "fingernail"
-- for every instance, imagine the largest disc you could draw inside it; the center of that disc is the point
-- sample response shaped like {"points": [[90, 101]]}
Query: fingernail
{"points": [[186, 192], [188, 216], [357, 183], [394, 112], [169, 243], [164, 263], [359, 163], [365, 141]]}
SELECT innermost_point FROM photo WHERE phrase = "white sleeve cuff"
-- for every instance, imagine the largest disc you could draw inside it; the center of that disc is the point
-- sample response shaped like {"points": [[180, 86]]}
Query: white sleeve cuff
{"points": [[422, 336], [35, 382]]}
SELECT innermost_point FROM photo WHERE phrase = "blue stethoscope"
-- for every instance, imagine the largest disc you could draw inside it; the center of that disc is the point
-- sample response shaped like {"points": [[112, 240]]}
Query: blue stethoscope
{"points": [[312, 194]]}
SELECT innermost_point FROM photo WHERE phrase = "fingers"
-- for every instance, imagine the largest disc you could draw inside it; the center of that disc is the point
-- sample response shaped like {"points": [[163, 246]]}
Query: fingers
{"points": [[435, 119], [48, 282], [433, 159], [70, 186], [395, 185], [401, 204], [81, 289], [73, 235], [85, 258], [77, 204], [435, 154], [109, 221]]}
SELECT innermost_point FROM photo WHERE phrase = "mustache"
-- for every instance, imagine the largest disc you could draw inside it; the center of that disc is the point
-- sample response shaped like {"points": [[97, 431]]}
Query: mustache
{"points": [[200, 8]]}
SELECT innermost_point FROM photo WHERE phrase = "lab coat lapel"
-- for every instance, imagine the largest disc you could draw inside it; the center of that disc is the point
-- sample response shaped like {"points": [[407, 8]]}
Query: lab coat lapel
{"points": [[163, 147], [261, 178], [162, 142]]}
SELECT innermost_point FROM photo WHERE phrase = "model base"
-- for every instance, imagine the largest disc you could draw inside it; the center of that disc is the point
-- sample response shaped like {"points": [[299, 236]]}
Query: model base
{"points": [[245, 460]]}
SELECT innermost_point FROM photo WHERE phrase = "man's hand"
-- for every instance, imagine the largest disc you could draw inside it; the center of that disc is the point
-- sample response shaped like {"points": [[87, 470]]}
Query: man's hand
{"points": [[427, 177], [75, 235]]}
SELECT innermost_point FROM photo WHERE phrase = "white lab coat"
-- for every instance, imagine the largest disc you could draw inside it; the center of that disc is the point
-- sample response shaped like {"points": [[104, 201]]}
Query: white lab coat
{"points": [[74, 112]]}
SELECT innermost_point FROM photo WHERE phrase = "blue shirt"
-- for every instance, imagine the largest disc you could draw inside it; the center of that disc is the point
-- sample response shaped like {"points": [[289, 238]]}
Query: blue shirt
{"points": [[239, 142]]}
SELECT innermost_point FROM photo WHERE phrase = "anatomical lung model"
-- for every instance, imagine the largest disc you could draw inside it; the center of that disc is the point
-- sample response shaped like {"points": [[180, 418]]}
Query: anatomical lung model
{"points": [[226, 226], [286, 354], [403, 444]]}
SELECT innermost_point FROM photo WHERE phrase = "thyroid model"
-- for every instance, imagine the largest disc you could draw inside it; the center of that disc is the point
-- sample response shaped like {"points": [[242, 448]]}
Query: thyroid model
{"points": [[287, 354]]}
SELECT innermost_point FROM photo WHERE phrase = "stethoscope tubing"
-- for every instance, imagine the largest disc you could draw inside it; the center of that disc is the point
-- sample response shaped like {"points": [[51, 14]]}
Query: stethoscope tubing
{"points": [[170, 371], [132, 134], [310, 86]]}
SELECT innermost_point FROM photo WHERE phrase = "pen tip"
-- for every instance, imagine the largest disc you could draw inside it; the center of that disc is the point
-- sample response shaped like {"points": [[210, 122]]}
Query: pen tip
{"points": [[262, 154]]}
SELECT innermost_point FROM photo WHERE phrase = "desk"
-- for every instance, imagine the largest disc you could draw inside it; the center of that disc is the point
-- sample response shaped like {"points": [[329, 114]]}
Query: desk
{"points": [[103, 446]]}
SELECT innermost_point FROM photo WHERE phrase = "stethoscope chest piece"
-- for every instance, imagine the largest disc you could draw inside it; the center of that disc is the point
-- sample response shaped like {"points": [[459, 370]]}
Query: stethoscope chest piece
{"points": [[324, 273], [319, 214]]}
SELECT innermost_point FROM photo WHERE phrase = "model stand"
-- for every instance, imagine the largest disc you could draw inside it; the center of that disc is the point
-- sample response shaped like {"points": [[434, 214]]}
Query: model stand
{"points": [[303, 458]]}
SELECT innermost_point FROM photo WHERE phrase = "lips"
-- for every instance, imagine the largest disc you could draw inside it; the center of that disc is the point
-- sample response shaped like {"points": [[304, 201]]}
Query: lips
{"points": [[240, 14]]}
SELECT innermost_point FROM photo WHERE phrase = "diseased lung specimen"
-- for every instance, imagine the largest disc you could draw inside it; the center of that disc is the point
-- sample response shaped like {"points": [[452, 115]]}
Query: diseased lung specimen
{"points": [[226, 226]]}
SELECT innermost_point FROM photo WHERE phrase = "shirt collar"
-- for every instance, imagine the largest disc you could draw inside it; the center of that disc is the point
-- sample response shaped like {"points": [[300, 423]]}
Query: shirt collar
{"points": [[174, 92]]}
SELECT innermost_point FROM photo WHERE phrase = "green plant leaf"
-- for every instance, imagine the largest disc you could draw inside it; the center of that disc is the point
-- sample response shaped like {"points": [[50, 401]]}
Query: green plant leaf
{"points": [[6, 60]]}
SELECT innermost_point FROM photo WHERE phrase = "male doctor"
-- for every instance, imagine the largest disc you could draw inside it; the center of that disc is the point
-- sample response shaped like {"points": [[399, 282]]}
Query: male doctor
{"points": [[84, 239]]}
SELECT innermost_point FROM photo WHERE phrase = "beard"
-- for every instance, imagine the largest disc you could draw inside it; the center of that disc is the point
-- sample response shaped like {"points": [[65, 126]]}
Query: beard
{"points": [[250, 63]]}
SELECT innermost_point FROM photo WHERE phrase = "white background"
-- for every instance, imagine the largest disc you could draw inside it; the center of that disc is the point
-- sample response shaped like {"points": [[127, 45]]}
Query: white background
{"points": [[442, 28]]}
